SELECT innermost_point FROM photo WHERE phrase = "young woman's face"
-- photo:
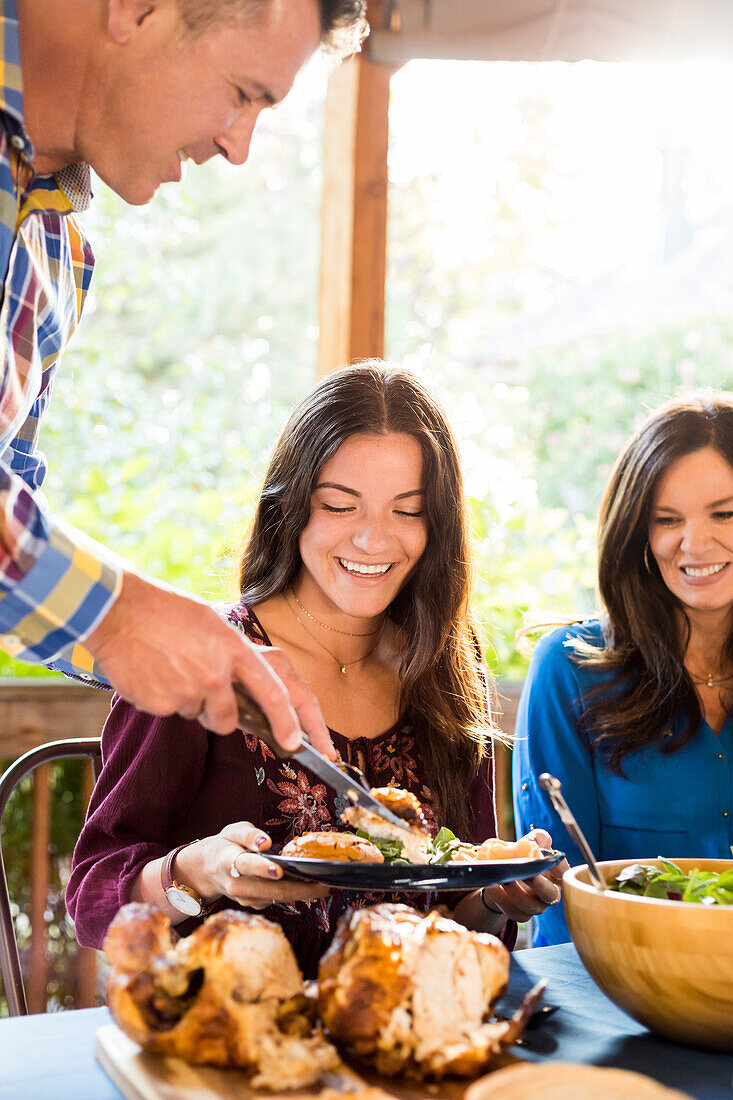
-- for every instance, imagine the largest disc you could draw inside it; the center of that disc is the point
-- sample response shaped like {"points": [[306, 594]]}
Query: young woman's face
{"points": [[367, 528], [691, 530]]}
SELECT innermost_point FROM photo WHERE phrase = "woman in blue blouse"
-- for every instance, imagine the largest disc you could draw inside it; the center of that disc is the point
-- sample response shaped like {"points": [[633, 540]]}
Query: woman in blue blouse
{"points": [[631, 711]]}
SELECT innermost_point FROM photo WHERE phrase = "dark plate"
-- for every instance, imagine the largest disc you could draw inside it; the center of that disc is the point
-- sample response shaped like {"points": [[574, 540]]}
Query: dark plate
{"points": [[415, 876]]}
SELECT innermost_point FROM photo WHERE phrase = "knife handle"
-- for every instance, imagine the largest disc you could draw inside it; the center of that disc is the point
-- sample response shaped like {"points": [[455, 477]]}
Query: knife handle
{"points": [[252, 719]]}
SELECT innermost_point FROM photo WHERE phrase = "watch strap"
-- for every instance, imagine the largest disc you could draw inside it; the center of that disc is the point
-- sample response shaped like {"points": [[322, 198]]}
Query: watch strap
{"points": [[168, 882]]}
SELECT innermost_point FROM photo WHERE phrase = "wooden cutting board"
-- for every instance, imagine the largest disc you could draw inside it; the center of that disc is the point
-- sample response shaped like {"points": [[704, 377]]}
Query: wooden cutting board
{"points": [[141, 1076]]}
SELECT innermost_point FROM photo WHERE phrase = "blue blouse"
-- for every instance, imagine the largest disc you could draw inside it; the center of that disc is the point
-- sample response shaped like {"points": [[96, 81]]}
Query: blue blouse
{"points": [[679, 805]]}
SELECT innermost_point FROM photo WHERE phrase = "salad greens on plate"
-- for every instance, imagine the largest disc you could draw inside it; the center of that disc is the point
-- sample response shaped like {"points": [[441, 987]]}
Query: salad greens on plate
{"points": [[440, 850], [671, 883]]}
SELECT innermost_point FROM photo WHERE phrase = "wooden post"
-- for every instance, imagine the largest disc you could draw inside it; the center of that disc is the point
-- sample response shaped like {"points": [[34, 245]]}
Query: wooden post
{"points": [[87, 958], [37, 970], [509, 693], [502, 788], [354, 213]]}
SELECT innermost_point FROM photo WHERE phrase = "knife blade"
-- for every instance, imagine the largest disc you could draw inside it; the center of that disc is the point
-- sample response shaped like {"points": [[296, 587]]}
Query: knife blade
{"points": [[252, 719]]}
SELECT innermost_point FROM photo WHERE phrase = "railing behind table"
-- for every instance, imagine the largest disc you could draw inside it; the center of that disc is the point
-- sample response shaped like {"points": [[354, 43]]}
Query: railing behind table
{"points": [[35, 711]]}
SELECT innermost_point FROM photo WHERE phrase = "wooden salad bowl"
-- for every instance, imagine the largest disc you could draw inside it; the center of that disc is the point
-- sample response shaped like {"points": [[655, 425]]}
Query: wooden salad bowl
{"points": [[669, 964]]}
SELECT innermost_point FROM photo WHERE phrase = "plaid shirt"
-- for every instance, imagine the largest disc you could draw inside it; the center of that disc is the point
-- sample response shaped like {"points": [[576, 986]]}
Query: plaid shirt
{"points": [[55, 584]]}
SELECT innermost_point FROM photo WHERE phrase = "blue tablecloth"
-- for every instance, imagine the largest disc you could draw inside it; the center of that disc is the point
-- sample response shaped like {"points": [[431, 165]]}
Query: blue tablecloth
{"points": [[51, 1057]]}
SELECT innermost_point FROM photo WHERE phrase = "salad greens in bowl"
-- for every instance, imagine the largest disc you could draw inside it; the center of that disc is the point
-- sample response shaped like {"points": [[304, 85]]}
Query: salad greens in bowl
{"points": [[671, 883], [659, 942]]}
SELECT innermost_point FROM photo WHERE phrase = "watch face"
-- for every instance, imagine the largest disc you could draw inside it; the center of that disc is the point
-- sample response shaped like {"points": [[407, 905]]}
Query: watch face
{"points": [[184, 901]]}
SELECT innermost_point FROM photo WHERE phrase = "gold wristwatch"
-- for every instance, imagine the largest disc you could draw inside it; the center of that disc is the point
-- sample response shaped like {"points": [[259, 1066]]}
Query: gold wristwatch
{"points": [[181, 897]]}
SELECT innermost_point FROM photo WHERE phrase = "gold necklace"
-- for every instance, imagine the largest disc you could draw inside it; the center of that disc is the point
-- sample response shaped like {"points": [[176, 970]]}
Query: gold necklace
{"points": [[709, 679], [335, 629], [343, 665]]}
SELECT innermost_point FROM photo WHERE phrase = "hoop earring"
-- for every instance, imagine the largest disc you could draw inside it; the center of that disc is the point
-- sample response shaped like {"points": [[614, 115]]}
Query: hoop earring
{"points": [[647, 563]]}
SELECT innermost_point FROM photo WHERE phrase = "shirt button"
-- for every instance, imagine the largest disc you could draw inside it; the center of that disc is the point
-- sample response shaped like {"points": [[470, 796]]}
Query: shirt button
{"points": [[17, 141], [10, 639], [720, 756], [725, 813], [525, 786]]}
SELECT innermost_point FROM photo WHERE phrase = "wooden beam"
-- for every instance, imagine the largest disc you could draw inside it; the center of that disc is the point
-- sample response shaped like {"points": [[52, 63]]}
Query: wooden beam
{"points": [[354, 214], [544, 30], [35, 711]]}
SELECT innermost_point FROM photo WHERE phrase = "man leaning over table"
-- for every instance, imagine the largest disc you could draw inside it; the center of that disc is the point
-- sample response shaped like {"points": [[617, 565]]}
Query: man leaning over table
{"points": [[131, 88]]}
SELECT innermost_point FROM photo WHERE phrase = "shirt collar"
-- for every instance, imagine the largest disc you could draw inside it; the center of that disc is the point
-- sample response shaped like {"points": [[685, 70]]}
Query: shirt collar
{"points": [[75, 179]]}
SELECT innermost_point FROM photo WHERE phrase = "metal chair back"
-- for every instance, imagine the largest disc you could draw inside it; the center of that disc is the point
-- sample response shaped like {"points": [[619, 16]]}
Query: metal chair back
{"points": [[42, 754]]}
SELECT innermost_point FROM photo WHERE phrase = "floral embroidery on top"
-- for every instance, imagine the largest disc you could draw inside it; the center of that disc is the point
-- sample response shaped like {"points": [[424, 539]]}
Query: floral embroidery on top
{"points": [[255, 745], [396, 758], [244, 618], [303, 804]]}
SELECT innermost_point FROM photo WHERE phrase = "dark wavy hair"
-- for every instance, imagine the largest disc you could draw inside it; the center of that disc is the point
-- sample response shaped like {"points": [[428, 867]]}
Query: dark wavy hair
{"points": [[642, 640], [442, 686]]}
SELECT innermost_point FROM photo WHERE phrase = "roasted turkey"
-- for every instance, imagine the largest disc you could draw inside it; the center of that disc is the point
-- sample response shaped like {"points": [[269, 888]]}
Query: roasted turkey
{"points": [[415, 835], [409, 993], [344, 847], [230, 994]]}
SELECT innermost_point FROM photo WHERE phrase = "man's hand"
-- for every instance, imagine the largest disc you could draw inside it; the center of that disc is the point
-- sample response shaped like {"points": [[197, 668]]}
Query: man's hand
{"points": [[166, 652]]}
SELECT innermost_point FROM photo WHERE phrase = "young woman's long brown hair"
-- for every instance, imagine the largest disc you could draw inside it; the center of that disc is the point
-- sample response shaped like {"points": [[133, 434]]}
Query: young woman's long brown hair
{"points": [[442, 688], [643, 643]]}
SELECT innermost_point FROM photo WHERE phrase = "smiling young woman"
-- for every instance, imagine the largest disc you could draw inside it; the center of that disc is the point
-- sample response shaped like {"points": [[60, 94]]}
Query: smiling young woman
{"points": [[356, 569], [632, 710], [362, 518]]}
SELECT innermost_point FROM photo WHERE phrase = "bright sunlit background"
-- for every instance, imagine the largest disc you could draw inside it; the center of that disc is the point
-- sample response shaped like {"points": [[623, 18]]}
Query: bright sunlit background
{"points": [[571, 175], [560, 248]]}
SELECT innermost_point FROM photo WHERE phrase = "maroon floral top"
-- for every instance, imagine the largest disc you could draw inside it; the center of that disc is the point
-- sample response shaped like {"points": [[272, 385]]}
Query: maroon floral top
{"points": [[168, 780]]}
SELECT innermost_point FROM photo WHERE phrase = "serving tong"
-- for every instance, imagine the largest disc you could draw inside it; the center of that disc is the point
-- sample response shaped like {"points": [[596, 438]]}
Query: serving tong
{"points": [[346, 779], [553, 786]]}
